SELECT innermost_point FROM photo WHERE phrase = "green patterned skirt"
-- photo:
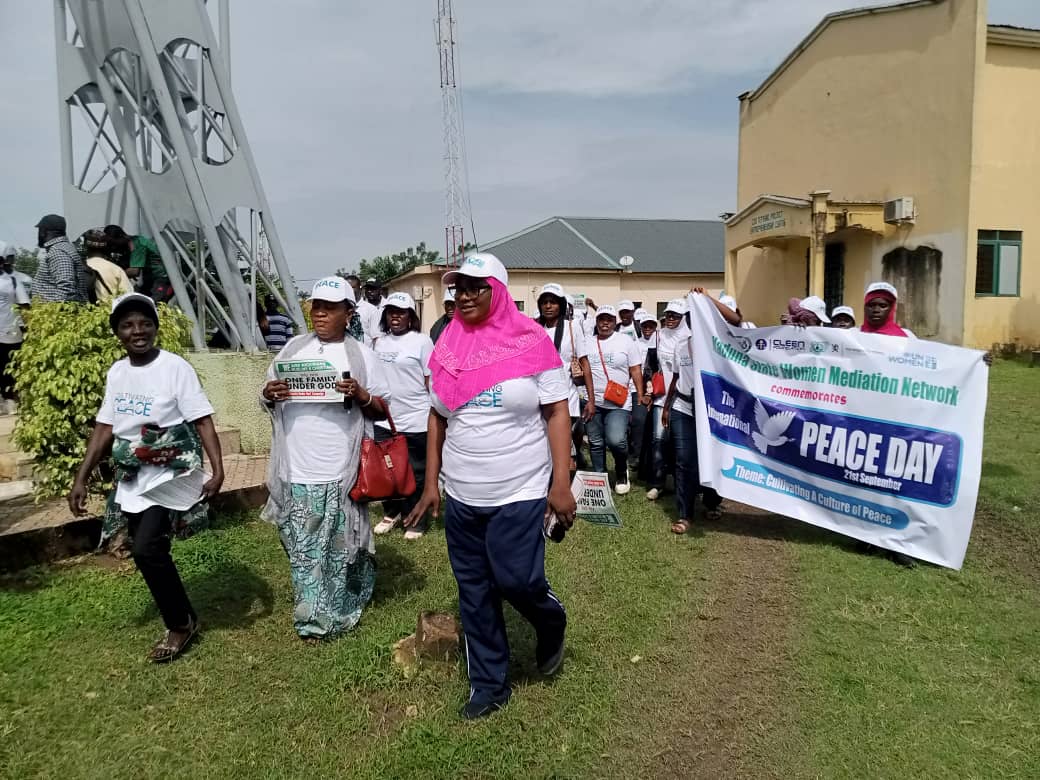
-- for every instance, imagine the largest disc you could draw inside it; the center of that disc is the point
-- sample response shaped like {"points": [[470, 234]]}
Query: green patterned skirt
{"points": [[330, 590]]}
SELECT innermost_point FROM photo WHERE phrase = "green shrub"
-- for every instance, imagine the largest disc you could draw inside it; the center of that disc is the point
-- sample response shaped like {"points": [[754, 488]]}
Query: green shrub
{"points": [[60, 378]]}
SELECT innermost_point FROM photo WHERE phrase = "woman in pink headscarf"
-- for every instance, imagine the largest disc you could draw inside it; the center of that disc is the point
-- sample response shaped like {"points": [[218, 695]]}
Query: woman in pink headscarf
{"points": [[879, 311], [500, 436]]}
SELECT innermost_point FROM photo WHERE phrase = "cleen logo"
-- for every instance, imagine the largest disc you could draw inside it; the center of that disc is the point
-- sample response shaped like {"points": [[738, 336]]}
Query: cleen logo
{"points": [[788, 345], [762, 344], [771, 430]]}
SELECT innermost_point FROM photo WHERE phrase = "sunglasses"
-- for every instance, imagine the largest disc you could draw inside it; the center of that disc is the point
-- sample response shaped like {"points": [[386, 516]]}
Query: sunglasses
{"points": [[469, 290]]}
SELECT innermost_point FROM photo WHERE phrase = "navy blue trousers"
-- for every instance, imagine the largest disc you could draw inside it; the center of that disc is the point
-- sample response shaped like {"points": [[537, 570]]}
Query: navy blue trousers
{"points": [[498, 553]]}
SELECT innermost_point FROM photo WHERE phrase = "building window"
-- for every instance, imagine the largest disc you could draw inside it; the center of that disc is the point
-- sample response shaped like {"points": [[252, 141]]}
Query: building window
{"points": [[998, 263], [519, 305]]}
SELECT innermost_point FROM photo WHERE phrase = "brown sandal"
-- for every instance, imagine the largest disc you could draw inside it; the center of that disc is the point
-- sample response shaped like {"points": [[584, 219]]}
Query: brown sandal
{"points": [[680, 527], [167, 648]]}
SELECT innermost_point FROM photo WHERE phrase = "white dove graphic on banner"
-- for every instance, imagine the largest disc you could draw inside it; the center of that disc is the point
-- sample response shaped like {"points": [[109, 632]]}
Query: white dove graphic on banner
{"points": [[772, 428]]}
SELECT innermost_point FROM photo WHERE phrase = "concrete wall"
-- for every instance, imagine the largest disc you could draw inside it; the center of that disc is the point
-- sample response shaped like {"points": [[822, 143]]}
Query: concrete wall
{"points": [[878, 106], [1006, 192], [232, 380]]}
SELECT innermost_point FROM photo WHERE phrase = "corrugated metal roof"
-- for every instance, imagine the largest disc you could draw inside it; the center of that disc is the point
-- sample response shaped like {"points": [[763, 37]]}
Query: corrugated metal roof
{"points": [[549, 244], [658, 245]]}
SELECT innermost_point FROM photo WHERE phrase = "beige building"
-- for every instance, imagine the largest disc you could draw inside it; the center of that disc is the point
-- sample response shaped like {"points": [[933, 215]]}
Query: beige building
{"points": [[583, 255], [898, 143]]}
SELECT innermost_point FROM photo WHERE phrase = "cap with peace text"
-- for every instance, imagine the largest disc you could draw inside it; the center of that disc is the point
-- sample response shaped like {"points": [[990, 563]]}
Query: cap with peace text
{"points": [[848, 311], [481, 265], [626, 306], [553, 289], [676, 306], [333, 289], [815, 304], [400, 300], [606, 311], [642, 315]]}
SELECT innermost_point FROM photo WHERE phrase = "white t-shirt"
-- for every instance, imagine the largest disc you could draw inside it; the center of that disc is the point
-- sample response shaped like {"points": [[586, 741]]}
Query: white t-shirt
{"points": [[496, 450], [406, 360], [681, 360], [164, 393], [315, 432], [619, 354], [567, 351], [370, 316], [12, 294], [631, 330]]}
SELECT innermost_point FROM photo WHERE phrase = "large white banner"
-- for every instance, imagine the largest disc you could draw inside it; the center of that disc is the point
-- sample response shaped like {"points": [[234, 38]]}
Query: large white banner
{"points": [[875, 437]]}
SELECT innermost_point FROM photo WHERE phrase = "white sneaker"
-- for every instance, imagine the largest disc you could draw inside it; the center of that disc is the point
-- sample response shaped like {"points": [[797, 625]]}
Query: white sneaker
{"points": [[652, 494], [621, 488], [413, 533], [386, 525]]}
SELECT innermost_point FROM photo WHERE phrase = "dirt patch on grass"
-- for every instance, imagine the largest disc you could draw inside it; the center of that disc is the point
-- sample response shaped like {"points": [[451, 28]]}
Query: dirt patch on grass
{"points": [[718, 696], [1008, 542]]}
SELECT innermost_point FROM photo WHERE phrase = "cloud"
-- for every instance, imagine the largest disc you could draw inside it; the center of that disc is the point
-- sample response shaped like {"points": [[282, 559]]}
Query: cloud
{"points": [[591, 107]]}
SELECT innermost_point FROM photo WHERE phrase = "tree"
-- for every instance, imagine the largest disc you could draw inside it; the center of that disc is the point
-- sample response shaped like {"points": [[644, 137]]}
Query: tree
{"points": [[26, 261], [386, 267]]}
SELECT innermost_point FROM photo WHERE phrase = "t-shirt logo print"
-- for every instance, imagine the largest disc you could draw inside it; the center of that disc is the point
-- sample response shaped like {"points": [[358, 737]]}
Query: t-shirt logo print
{"points": [[772, 428]]}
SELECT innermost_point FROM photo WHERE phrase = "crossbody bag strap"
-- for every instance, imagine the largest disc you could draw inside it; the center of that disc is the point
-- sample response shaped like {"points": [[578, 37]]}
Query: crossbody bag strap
{"points": [[570, 329], [601, 360], [558, 336]]}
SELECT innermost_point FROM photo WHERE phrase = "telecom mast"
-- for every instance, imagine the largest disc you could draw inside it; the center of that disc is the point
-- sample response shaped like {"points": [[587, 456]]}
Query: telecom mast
{"points": [[455, 204]]}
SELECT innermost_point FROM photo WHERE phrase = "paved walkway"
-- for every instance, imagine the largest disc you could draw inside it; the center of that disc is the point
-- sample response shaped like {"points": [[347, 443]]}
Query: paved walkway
{"points": [[243, 474]]}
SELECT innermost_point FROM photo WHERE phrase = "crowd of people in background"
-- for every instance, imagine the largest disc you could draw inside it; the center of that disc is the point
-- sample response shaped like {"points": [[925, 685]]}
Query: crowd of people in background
{"points": [[498, 411]]}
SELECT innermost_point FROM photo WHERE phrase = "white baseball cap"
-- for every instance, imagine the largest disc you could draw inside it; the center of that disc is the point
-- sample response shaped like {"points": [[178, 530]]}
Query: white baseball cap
{"points": [[642, 315], [846, 310], [676, 305], [333, 289], [815, 304], [553, 289], [400, 300], [606, 311], [626, 306], [6, 250], [729, 302], [481, 265], [881, 287], [448, 296], [569, 299], [120, 303]]}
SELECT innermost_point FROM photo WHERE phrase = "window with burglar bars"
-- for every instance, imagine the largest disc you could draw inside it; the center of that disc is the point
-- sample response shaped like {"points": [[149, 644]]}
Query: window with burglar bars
{"points": [[998, 264]]}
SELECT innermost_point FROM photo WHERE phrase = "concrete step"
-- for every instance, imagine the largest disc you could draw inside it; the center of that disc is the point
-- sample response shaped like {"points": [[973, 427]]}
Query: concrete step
{"points": [[34, 533], [15, 465], [12, 491]]}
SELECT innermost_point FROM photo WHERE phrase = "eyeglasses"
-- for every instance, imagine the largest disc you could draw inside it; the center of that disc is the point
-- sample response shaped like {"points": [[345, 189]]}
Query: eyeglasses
{"points": [[671, 315], [470, 291]]}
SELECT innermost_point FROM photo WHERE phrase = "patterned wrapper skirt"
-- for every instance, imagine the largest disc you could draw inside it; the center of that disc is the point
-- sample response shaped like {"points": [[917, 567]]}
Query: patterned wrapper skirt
{"points": [[329, 589]]}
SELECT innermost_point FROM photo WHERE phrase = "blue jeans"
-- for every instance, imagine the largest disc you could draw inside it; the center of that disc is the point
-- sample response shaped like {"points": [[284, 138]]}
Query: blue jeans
{"points": [[661, 450], [687, 475], [609, 428]]}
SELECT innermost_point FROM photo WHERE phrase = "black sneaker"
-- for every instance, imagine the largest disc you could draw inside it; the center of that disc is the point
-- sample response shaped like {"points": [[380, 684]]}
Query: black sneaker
{"points": [[476, 710], [551, 660]]}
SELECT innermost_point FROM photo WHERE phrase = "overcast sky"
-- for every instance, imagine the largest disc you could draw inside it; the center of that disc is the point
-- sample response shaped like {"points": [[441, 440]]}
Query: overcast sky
{"points": [[603, 108]]}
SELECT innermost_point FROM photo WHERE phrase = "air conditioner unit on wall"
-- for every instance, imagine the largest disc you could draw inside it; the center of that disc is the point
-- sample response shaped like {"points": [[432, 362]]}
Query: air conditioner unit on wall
{"points": [[899, 211]]}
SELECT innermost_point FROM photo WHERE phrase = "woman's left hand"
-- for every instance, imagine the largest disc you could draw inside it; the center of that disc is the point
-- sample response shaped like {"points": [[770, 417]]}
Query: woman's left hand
{"points": [[213, 484], [589, 411], [561, 501], [351, 388], [988, 358]]}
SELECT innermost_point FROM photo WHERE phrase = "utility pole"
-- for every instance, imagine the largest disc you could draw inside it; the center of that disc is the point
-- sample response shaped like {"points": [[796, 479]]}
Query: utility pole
{"points": [[455, 203]]}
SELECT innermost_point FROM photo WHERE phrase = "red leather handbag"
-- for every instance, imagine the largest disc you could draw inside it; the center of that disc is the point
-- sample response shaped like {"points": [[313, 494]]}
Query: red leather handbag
{"points": [[657, 384], [384, 471]]}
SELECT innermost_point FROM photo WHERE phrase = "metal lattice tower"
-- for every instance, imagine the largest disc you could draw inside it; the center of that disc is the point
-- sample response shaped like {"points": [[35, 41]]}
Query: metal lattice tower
{"points": [[160, 149], [455, 205]]}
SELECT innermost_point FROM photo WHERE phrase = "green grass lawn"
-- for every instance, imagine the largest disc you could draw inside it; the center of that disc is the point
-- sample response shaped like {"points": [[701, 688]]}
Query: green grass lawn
{"points": [[878, 671]]}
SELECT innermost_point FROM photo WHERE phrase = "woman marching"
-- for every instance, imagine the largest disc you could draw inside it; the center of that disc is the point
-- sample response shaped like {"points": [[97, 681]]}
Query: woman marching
{"points": [[315, 454], [569, 341], [674, 333], [615, 362], [156, 420], [499, 432], [405, 354], [678, 418]]}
